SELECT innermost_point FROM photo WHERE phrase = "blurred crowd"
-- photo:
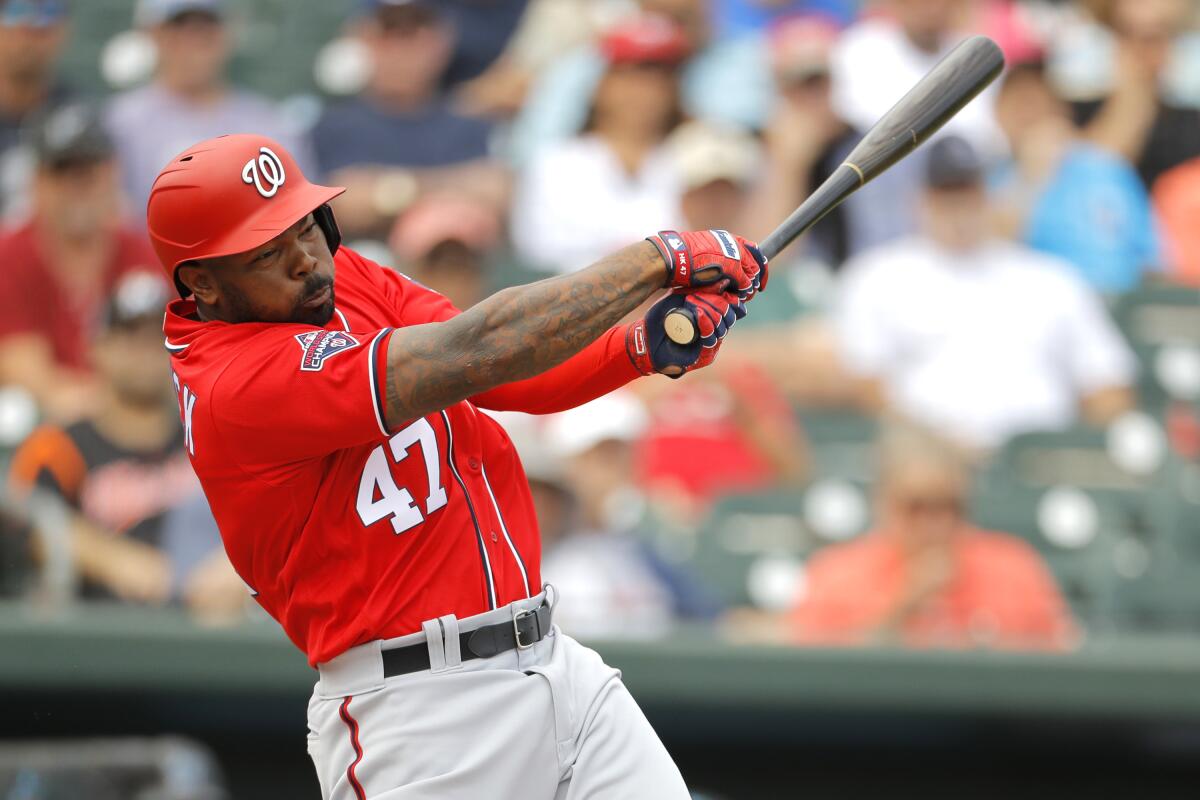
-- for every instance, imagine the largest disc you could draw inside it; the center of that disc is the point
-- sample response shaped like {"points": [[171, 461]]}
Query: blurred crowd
{"points": [[963, 300]]}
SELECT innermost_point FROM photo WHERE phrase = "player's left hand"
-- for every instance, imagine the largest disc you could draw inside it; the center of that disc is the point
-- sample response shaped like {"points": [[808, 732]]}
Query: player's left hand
{"points": [[653, 352], [712, 261]]}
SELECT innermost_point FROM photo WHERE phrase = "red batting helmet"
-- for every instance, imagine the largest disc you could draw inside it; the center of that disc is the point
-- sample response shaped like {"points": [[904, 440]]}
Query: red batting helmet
{"points": [[228, 195]]}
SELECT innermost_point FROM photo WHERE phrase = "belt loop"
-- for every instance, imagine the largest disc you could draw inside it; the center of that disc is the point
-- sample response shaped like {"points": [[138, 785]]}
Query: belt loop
{"points": [[451, 641], [441, 637], [433, 641]]}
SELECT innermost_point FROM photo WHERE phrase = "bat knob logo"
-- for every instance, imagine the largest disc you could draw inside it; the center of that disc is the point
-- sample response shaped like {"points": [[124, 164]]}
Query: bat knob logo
{"points": [[266, 169]]}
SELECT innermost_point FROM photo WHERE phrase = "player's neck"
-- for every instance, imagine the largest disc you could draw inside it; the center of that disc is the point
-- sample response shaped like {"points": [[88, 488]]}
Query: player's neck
{"points": [[206, 313]]}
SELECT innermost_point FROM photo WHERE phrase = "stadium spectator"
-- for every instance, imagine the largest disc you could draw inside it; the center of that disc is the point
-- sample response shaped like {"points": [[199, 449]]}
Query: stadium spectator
{"points": [[717, 167], [738, 411], [482, 31], [581, 197], [737, 16], [1177, 202], [979, 337], [722, 80], [614, 583], [32, 33], [925, 576], [1066, 197], [61, 264], [402, 136], [879, 58], [445, 242], [807, 139], [189, 98], [122, 468], [549, 30], [1137, 120]]}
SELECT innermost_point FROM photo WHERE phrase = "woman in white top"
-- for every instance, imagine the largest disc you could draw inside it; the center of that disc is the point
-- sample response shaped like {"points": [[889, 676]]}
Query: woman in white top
{"points": [[606, 187]]}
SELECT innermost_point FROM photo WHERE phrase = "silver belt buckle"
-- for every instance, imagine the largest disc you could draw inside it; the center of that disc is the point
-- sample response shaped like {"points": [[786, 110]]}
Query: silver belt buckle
{"points": [[520, 615]]}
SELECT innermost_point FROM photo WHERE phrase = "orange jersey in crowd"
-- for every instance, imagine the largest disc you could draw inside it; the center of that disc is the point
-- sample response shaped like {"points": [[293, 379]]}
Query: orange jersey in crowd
{"points": [[1000, 593]]}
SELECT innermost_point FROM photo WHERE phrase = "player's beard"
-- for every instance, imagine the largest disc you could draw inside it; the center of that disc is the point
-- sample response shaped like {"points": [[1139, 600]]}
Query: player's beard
{"points": [[320, 315], [242, 310]]}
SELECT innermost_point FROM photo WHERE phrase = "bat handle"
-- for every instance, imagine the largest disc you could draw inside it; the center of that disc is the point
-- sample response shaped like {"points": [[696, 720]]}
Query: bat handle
{"points": [[680, 327]]}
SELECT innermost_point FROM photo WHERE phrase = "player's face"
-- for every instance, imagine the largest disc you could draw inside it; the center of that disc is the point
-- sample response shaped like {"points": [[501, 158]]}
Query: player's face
{"points": [[288, 279]]}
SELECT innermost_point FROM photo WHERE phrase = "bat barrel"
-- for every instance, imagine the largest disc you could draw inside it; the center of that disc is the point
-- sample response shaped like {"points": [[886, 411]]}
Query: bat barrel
{"points": [[951, 84]]}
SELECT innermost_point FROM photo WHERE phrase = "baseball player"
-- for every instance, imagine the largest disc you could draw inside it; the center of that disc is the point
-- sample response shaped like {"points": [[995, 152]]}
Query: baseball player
{"points": [[330, 409]]}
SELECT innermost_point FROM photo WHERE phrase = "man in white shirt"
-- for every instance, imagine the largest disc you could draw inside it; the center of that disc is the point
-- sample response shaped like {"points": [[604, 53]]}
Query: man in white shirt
{"points": [[980, 338], [189, 98], [879, 58]]}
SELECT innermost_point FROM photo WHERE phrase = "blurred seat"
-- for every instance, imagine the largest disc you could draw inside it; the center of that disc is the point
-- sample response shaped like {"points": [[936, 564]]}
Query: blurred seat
{"points": [[842, 441], [1162, 324], [752, 548], [166, 768], [1108, 511]]}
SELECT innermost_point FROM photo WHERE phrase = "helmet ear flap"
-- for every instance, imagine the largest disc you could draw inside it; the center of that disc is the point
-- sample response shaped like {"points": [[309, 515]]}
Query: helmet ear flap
{"points": [[324, 218]]}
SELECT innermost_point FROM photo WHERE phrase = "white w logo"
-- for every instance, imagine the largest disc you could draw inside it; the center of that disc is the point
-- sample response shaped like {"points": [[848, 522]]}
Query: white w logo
{"points": [[267, 167]]}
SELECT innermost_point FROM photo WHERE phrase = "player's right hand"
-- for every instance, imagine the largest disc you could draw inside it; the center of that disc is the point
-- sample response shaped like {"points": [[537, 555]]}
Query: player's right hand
{"points": [[712, 261], [653, 352]]}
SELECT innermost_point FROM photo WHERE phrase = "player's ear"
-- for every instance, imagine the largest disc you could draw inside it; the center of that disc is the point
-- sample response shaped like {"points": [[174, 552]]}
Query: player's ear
{"points": [[197, 276]]}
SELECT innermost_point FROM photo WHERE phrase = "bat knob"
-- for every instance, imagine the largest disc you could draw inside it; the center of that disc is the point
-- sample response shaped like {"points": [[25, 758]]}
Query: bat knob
{"points": [[680, 327]]}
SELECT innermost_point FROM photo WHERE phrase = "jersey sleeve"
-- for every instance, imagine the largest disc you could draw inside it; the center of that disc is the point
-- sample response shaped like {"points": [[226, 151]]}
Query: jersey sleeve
{"points": [[598, 369], [294, 392], [601, 367]]}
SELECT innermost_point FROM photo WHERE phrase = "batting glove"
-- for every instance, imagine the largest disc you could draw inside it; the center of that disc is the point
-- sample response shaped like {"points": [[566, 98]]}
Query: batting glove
{"points": [[712, 260], [653, 352]]}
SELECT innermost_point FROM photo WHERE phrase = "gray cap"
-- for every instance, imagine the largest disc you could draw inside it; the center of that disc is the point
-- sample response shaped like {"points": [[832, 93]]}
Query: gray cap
{"points": [[155, 12], [952, 163], [137, 297], [70, 134]]}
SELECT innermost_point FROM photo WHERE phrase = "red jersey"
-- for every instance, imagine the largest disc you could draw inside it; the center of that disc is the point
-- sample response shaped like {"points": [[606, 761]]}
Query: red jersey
{"points": [[346, 531], [33, 299]]}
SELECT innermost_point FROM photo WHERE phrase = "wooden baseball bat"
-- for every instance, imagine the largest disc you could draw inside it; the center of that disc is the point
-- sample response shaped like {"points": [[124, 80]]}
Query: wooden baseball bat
{"points": [[951, 84]]}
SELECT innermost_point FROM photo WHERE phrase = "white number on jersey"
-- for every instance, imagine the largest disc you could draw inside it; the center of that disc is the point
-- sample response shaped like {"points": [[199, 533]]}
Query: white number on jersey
{"points": [[394, 501]]}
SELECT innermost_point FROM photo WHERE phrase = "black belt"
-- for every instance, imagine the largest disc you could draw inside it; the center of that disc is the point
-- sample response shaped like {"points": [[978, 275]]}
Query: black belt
{"points": [[523, 631]]}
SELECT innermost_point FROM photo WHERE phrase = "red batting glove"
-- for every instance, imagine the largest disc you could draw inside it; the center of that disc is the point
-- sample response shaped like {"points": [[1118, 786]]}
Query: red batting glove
{"points": [[712, 260]]}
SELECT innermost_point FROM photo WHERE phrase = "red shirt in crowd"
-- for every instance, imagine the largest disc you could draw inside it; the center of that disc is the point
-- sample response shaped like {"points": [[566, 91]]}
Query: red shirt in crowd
{"points": [[695, 419], [34, 300], [347, 531], [1000, 593]]}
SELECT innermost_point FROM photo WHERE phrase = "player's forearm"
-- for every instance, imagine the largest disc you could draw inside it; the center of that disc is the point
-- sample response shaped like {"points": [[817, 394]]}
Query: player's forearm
{"points": [[515, 334], [601, 367]]}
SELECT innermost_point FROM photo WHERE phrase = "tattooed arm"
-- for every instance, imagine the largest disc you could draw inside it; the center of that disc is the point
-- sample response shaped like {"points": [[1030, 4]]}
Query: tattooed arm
{"points": [[515, 334]]}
